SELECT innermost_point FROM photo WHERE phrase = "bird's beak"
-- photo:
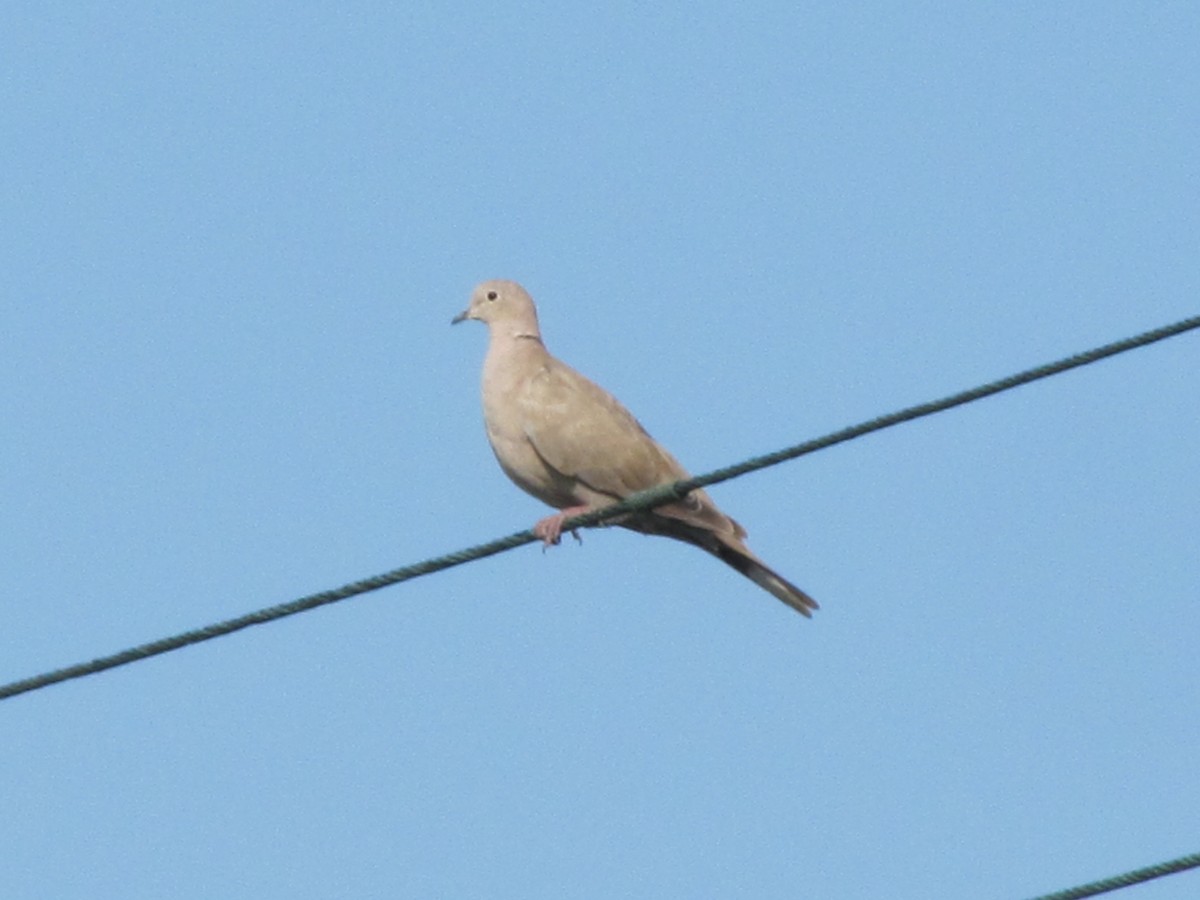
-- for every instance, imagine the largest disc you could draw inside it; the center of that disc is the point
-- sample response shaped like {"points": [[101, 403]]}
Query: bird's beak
{"points": [[465, 314]]}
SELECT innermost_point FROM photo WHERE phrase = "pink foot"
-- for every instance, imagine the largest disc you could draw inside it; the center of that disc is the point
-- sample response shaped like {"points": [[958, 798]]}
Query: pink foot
{"points": [[550, 528]]}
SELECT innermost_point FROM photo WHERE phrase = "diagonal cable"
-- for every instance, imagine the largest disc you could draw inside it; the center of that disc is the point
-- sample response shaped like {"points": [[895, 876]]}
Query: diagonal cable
{"points": [[1127, 879], [640, 501]]}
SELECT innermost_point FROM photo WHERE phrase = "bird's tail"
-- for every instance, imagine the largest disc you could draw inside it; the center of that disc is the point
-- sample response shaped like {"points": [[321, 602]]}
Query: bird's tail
{"points": [[764, 576], [726, 546]]}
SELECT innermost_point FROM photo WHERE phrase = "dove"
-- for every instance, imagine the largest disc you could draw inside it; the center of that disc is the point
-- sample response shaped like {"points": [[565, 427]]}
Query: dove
{"points": [[572, 445]]}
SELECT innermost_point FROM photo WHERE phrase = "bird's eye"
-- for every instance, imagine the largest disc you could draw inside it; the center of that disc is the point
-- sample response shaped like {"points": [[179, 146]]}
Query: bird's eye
{"points": [[492, 295]]}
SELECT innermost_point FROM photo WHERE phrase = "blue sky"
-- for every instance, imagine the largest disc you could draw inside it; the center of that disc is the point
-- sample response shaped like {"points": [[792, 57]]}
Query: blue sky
{"points": [[233, 239]]}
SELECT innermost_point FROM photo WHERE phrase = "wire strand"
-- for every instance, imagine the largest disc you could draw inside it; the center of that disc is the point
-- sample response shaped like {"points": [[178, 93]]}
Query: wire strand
{"points": [[639, 501], [1128, 879]]}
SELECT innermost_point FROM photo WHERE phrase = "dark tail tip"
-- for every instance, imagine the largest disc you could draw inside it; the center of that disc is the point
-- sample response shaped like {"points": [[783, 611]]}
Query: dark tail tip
{"points": [[768, 580]]}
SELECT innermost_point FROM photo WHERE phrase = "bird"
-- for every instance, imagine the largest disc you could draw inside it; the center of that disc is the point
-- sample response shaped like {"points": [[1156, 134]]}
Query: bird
{"points": [[571, 444]]}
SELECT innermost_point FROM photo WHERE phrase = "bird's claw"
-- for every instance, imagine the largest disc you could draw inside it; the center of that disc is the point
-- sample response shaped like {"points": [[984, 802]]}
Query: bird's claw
{"points": [[550, 529]]}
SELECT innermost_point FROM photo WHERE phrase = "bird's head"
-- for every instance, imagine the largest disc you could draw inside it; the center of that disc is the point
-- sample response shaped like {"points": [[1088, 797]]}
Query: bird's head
{"points": [[501, 303]]}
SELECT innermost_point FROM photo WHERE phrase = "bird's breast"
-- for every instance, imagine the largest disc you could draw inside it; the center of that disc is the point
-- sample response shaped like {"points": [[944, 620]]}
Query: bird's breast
{"points": [[503, 418]]}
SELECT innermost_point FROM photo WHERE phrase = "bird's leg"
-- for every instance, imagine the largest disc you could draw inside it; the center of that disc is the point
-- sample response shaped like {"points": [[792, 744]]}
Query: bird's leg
{"points": [[550, 528]]}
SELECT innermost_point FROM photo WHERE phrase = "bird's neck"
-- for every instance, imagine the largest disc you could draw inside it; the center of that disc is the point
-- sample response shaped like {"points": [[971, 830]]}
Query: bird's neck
{"points": [[516, 335], [525, 333], [509, 350]]}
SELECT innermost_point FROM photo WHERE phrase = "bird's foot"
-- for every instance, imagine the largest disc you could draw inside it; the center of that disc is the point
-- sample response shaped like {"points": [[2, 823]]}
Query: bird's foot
{"points": [[550, 528]]}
